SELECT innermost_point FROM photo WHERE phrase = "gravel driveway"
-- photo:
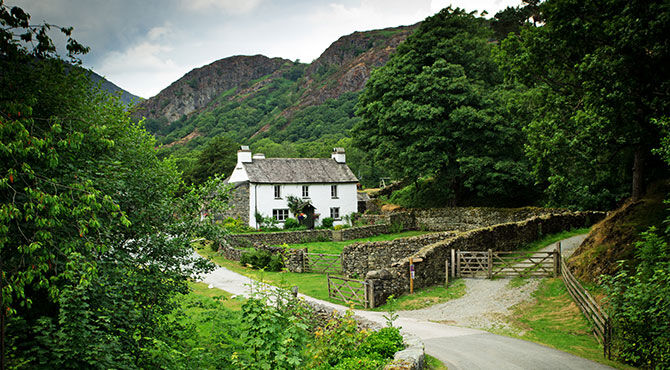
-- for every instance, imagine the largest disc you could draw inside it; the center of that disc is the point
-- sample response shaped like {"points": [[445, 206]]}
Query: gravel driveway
{"points": [[487, 302]]}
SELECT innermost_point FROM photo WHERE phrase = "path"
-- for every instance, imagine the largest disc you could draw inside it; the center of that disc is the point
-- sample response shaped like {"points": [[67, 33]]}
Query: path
{"points": [[458, 347]]}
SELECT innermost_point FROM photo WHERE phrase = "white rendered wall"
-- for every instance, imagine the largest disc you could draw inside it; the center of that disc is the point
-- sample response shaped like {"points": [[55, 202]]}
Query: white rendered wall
{"points": [[262, 199], [239, 174]]}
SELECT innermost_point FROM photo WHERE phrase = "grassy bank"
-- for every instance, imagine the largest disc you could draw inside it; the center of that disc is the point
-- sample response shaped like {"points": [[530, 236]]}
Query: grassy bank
{"points": [[553, 319]]}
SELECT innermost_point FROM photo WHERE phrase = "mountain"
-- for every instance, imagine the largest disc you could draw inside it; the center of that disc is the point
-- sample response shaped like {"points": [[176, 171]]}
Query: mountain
{"points": [[108, 86], [253, 97]]}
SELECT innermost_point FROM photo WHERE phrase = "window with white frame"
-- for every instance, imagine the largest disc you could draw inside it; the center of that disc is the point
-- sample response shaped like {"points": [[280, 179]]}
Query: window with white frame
{"points": [[335, 213], [305, 191], [277, 191], [280, 214], [333, 191]]}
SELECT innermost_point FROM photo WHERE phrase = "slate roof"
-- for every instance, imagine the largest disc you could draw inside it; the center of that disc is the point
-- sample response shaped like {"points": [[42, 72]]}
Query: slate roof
{"points": [[298, 171]]}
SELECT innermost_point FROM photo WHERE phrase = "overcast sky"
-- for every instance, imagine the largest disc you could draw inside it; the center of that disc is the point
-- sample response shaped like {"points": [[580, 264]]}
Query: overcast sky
{"points": [[145, 45]]}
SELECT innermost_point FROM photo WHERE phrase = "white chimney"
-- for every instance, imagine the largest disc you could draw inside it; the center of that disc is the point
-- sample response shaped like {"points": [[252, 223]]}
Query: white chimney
{"points": [[338, 155], [244, 154], [258, 156]]}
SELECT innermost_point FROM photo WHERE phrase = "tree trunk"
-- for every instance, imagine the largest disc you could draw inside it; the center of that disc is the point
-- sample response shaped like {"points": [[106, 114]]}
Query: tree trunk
{"points": [[638, 174]]}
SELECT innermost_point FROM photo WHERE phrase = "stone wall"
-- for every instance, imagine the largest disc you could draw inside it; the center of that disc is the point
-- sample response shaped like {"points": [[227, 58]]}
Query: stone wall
{"points": [[429, 261], [281, 237], [305, 236], [458, 218], [359, 258], [239, 203]]}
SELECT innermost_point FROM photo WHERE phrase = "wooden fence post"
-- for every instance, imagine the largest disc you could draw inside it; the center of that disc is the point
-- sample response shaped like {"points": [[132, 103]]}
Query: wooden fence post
{"points": [[458, 262], [446, 273], [411, 275], [453, 263], [490, 264]]}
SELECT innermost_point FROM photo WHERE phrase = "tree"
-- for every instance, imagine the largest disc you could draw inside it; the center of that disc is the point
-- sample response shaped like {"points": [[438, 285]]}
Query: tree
{"points": [[599, 72], [217, 158], [94, 246], [433, 111]]}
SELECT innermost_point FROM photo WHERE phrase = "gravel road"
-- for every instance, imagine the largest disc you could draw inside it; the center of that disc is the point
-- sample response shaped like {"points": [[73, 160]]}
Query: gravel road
{"points": [[487, 302]]}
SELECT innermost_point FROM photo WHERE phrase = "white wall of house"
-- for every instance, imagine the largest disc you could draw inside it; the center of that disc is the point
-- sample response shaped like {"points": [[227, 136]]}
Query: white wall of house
{"points": [[262, 199]]}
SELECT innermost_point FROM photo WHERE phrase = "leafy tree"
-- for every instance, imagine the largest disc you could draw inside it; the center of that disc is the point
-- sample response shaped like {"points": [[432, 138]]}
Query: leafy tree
{"points": [[217, 158], [599, 72], [94, 246], [433, 110]]}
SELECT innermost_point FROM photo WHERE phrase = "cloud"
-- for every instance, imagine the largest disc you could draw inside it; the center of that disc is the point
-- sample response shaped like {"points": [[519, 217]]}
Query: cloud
{"points": [[227, 6], [143, 68]]}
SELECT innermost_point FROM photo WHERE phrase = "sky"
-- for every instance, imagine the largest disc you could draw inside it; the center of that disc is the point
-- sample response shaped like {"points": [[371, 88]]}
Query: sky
{"points": [[144, 45]]}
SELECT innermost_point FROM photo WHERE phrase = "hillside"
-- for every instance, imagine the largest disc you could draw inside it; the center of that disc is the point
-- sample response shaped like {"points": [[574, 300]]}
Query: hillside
{"points": [[110, 87], [613, 239], [252, 97]]}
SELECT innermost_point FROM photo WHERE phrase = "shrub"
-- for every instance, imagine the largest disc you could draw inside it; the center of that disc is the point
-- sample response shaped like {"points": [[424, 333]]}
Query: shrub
{"points": [[327, 222], [338, 227], [383, 344], [395, 228], [260, 259], [236, 226], [640, 305], [291, 223]]}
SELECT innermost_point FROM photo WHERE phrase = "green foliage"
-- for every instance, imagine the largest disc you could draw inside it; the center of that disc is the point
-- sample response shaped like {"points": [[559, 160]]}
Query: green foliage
{"points": [[217, 158], [435, 110], [274, 335], [236, 226], [595, 85], [291, 223], [640, 305], [262, 259], [341, 345], [94, 242], [327, 222], [382, 344]]}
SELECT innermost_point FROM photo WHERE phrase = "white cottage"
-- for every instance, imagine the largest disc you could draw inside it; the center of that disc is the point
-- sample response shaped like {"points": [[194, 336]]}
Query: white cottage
{"points": [[262, 185]]}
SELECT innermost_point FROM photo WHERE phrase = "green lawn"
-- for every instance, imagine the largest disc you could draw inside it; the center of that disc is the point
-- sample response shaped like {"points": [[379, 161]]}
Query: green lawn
{"points": [[427, 297], [553, 319], [336, 247], [552, 238], [433, 363]]}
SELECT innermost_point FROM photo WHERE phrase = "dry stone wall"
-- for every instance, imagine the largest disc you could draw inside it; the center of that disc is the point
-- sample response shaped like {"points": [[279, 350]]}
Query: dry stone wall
{"points": [[458, 218], [305, 236], [429, 261], [359, 258]]}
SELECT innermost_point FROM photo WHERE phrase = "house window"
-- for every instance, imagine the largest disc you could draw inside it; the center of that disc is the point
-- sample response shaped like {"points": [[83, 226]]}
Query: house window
{"points": [[305, 191], [280, 214], [333, 191], [335, 213], [277, 191]]}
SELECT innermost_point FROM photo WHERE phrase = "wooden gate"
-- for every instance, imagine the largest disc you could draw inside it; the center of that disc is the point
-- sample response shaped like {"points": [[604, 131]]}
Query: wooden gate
{"points": [[524, 264], [322, 263], [507, 264], [472, 264], [348, 290]]}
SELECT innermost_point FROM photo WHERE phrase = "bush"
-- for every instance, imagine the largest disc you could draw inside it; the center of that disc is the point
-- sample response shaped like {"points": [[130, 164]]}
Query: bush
{"points": [[291, 223], [640, 305], [327, 222], [395, 228], [260, 259], [384, 343], [236, 226]]}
